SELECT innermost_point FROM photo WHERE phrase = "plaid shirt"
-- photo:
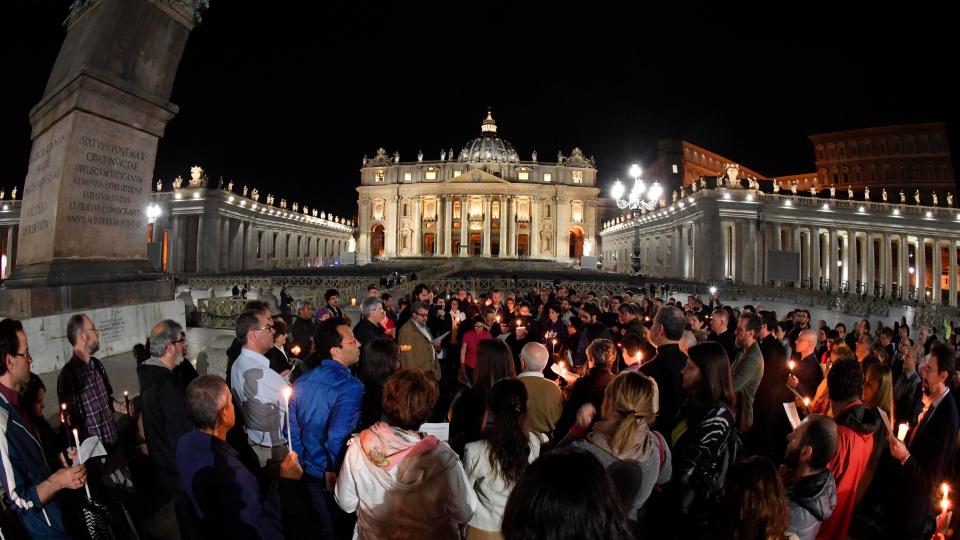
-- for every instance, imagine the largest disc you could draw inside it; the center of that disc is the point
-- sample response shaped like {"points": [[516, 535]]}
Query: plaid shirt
{"points": [[92, 404]]}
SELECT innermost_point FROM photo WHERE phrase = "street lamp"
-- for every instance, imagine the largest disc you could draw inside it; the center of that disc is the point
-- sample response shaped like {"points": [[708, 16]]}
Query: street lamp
{"points": [[640, 198]]}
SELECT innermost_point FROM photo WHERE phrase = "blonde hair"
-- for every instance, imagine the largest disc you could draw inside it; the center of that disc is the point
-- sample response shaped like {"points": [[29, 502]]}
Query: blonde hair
{"points": [[884, 397], [630, 400]]}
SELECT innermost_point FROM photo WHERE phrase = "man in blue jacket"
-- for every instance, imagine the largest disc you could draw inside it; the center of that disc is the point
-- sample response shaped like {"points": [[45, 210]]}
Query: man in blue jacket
{"points": [[29, 488], [324, 411]]}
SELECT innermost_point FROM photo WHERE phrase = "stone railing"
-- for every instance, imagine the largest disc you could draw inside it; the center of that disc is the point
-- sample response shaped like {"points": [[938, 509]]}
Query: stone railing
{"points": [[219, 312]]}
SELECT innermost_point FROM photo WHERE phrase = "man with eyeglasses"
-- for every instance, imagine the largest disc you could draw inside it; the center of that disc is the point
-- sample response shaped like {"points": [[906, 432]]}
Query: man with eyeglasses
{"points": [[83, 385], [259, 388], [418, 349], [369, 327], [28, 486]]}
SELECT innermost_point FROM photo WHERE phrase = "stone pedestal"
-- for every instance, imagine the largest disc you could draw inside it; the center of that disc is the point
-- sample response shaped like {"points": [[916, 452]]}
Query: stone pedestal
{"points": [[95, 133], [588, 262], [349, 258]]}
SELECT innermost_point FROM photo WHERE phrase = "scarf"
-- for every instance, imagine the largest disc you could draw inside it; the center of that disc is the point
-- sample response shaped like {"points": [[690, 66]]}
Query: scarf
{"points": [[386, 446]]}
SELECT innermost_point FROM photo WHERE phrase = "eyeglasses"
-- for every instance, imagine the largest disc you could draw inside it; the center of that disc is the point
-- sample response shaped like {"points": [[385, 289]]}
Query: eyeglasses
{"points": [[260, 328], [25, 354], [95, 331], [181, 340], [420, 314]]}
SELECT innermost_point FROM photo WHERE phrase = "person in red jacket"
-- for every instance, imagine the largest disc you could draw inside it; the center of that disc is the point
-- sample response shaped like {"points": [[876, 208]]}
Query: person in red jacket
{"points": [[856, 425]]}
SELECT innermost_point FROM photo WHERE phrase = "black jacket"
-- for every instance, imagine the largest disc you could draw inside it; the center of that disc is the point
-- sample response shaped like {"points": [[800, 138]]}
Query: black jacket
{"points": [[809, 374], [365, 332], [587, 389], [729, 342], [932, 450], [165, 418], [770, 423], [665, 369]]}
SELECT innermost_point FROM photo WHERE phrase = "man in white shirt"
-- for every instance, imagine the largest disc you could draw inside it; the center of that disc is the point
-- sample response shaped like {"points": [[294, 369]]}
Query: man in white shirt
{"points": [[258, 388]]}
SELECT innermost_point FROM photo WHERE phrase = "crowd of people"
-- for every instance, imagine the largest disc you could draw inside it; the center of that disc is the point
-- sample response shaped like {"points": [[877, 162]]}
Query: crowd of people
{"points": [[550, 413]]}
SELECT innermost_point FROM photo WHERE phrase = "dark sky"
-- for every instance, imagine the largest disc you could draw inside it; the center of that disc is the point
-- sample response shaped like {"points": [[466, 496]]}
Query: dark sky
{"points": [[288, 97]]}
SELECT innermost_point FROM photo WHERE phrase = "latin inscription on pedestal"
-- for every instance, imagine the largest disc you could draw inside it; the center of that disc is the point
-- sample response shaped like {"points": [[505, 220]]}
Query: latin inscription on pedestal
{"points": [[86, 191]]}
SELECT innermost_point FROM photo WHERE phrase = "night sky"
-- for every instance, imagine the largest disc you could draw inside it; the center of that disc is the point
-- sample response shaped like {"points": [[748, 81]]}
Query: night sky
{"points": [[288, 98]]}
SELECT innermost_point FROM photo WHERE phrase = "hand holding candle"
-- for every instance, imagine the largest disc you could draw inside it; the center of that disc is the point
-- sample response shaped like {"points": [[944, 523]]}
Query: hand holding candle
{"points": [[286, 411], [902, 431], [943, 520], [76, 438]]}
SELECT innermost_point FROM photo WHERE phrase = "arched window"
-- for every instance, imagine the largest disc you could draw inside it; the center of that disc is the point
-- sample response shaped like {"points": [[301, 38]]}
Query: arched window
{"points": [[576, 211]]}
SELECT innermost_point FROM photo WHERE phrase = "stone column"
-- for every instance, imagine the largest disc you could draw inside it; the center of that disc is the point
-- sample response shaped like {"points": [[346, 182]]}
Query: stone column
{"points": [[509, 226], [870, 261], [952, 295], [777, 237], [904, 275], [391, 227], [487, 218], [852, 272], [224, 259], [816, 247], [886, 266], [175, 250], [440, 233], [921, 268], [503, 227], [464, 225], [833, 270], [417, 226], [797, 245], [535, 226], [447, 225], [250, 247], [936, 271]]}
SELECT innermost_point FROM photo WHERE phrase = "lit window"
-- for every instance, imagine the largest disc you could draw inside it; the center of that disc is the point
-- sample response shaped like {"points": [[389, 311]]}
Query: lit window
{"points": [[431, 175], [456, 173], [407, 177], [577, 177], [547, 177], [379, 176], [523, 175]]}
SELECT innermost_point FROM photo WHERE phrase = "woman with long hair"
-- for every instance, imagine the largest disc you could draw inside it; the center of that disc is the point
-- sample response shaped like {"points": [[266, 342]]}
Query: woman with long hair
{"points": [[565, 495], [494, 464], [590, 388], [877, 394], [705, 442], [755, 503], [636, 457], [494, 362]]}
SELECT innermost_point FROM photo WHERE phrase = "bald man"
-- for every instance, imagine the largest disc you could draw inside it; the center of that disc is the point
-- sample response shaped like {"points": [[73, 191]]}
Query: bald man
{"points": [[544, 399]]}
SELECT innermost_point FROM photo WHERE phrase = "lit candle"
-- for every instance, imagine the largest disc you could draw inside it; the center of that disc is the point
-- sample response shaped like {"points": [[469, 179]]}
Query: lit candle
{"points": [[353, 301], [295, 350], [76, 438], [790, 365], [943, 520], [554, 347], [126, 401], [286, 411], [498, 319], [63, 414], [902, 431], [806, 404]]}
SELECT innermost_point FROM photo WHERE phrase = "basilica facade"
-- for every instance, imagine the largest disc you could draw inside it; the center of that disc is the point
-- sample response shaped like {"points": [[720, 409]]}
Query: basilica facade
{"points": [[482, 201]]}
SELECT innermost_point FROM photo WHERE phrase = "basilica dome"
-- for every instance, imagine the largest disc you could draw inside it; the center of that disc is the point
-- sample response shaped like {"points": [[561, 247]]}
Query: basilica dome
{"points": [[488, 146]]}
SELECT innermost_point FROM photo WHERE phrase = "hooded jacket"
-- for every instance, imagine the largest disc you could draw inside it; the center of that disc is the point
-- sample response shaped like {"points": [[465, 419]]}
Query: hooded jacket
{"points": [[856, 425], [24, 468], [423, 494], [812, 500]]}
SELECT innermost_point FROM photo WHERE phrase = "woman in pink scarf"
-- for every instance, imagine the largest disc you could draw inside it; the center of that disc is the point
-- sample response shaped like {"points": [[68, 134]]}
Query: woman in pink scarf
{"points": [[401, 483]]}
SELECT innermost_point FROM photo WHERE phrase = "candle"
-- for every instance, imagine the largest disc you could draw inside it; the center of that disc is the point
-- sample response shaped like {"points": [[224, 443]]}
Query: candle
{"points": [[790, 365], [943, 520], [295, 350], [353, 301], [902, 431], [554, 351], [63, 414], [286, 411], [806, 404], [126, 401], [498, 319], [76, 438]]}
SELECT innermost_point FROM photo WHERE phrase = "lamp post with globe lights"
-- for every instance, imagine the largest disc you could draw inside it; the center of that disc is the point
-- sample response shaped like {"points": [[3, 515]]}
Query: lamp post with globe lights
{"points": [[641, 198]]}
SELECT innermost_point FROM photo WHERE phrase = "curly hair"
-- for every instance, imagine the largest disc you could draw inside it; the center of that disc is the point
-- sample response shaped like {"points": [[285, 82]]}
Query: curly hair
{"points": [[508, 436], [755, 501]]}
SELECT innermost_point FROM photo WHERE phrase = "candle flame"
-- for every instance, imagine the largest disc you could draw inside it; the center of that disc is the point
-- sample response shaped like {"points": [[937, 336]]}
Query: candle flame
{"points": [[63, 406], [791, 364], [125, 393], [287, 392], [945, 489], [806, 402]]}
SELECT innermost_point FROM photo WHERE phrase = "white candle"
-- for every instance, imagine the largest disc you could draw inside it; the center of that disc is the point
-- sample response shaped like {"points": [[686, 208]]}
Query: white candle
{"points": [[76, 438], [791, 364], [286, 409], [902, 431]]}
